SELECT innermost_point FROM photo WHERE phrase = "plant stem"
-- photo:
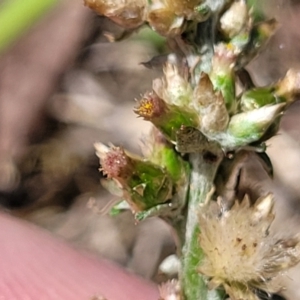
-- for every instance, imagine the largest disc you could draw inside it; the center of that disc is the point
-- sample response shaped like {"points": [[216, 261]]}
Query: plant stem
{"points": [[201, 183]]}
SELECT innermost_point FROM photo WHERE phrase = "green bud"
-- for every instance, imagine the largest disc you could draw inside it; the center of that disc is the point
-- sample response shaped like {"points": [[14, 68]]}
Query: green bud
{"points": [[222, 74], [210, 106], [259, 97], [166, 117], [144, 184], [249, 127], [163, 154]]}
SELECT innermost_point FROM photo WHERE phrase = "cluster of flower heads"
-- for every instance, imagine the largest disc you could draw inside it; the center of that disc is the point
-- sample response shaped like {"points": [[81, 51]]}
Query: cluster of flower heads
{"points": [[172, 17], [197, 108], [167, 17], [210, 107], [145, 183], [206, 100], [194, 108]]}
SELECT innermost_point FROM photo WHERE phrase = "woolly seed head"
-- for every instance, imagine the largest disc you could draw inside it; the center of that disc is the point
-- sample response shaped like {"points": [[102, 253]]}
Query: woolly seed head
{"points": [[240, 254]]}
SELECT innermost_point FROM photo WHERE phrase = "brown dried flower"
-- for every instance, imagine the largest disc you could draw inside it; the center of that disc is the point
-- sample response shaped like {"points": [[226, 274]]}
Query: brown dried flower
{"points": [[127, 13], [240, 254], [164, 21]]}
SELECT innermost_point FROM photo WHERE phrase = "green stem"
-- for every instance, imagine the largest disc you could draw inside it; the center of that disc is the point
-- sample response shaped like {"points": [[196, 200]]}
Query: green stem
{"points": [[201, 183]]}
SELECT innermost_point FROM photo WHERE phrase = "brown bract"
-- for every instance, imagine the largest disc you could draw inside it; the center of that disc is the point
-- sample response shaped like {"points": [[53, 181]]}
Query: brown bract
{"points": [[211, 105]]}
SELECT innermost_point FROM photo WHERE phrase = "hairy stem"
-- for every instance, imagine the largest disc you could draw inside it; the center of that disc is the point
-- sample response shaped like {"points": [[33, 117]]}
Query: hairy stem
{"points": [[201, 183]]}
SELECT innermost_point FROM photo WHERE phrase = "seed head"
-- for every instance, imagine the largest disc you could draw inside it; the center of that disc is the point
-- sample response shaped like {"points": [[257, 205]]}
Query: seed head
{"points": [[240, 253]]}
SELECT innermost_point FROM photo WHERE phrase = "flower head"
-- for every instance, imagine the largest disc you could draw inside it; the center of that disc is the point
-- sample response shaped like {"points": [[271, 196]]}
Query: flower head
{"points": [[143, 183], [240, 253], [150, 107], [165, 22], [176, 88], [115, 163], [127, 13], [166, 117]]}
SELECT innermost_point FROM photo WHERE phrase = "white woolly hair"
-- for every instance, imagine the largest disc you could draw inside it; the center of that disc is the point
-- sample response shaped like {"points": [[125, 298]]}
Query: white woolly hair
{"points": [[240, 254]]}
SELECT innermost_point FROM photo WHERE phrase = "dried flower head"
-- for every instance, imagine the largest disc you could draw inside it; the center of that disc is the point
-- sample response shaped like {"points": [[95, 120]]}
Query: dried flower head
{"points": [[127, 13], [167, 17], [240, 253], [164, 21]]}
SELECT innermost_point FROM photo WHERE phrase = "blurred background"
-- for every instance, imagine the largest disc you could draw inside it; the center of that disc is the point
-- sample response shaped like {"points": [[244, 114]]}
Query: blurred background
{"points": [[65, 86]]}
